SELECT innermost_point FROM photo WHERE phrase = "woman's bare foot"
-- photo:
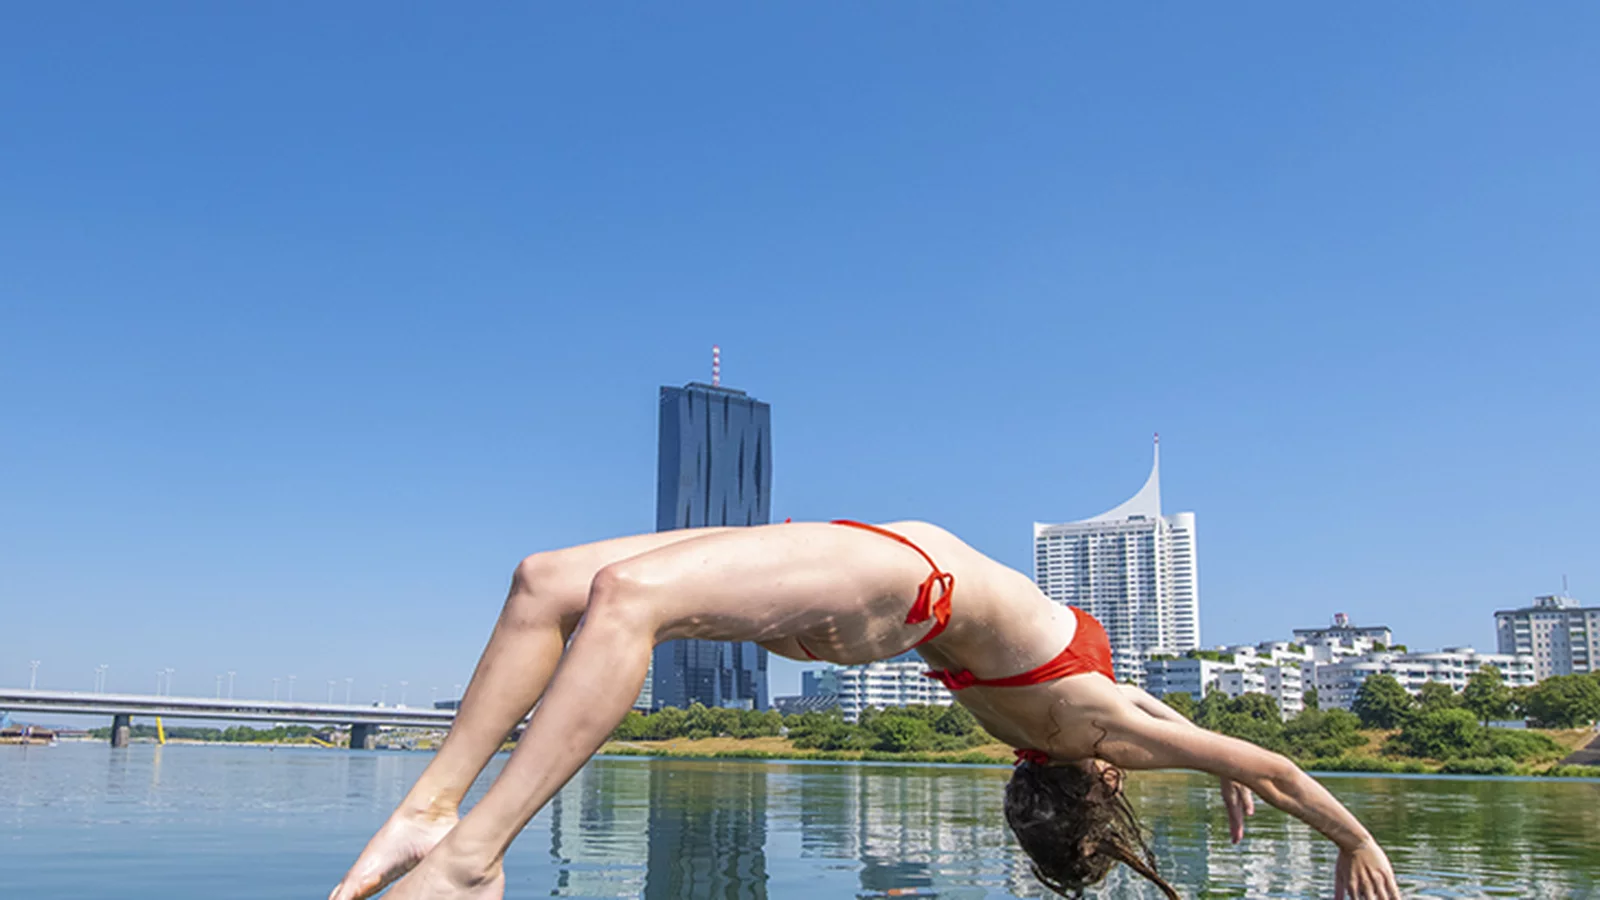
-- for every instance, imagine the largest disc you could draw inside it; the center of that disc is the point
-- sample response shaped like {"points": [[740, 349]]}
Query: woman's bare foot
{"points": [[399, 845], [443, 876]]}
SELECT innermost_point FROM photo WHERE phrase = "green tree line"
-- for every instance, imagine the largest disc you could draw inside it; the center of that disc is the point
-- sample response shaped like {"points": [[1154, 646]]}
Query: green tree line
{"points": [[910, 729], [1437, 724], [1561, 701], [240, 734]]}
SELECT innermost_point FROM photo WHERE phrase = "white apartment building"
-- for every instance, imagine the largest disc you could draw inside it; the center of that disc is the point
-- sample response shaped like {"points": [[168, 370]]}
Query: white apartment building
{"points": [[1286, 685], [1338, 683], [1130, 567], [886, 683], [1562, 637], [1183, 676], [1129, 666], [1247, 673]]}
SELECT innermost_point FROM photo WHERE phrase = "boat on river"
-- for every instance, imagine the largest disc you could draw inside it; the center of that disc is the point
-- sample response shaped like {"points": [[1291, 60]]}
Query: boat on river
{"points": [[26, 734]]}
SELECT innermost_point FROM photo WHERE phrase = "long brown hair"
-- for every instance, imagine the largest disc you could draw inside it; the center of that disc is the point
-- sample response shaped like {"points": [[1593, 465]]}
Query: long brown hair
{"points": [[1075, 824]]}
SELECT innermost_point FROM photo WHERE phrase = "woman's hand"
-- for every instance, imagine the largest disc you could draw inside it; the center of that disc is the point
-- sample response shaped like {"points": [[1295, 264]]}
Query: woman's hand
{"points": [[1364, 874], [1240, 803]]}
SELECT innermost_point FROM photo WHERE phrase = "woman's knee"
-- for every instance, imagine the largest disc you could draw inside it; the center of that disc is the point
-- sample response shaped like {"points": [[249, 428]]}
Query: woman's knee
{"points": [[618, 595], [539, 596]]}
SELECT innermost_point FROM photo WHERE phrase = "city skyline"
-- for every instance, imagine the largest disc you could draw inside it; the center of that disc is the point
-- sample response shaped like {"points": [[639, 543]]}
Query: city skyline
{"points": [[310, 333]]}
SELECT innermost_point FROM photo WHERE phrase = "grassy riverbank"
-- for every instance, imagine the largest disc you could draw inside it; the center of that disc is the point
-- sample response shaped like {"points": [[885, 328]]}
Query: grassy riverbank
{"points": [[1367, 757], [784, 748], [1370, 756]]}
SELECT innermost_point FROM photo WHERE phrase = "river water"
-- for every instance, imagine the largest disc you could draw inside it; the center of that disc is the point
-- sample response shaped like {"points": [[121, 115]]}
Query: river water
{"points": [[178, 822]]}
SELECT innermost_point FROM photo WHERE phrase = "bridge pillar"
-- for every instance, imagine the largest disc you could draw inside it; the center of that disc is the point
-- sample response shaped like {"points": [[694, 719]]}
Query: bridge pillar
{"points": [[363, 737], [121, 727]]}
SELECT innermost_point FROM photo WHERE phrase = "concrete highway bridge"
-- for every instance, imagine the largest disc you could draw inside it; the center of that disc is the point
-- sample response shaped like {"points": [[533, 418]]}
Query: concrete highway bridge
{"points": [[363, 721]]}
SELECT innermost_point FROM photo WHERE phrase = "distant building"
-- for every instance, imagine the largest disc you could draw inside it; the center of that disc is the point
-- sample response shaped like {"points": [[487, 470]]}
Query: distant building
{"points": [[1562, 637], [1238, 671], [714, 468], [1132, 568], [791, 706], [1184, 675], [890, 682], [1128, 664], [1282, 683], [1341, 631], [819, 682], [1338, 683]]}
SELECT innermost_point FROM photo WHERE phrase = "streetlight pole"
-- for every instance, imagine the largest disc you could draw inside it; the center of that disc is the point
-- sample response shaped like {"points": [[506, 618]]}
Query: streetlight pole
{"points": [[348, 684], [33, 673], [170, 672], [291, 688], [403, 692], [383, 693], [330, 691], [230, 683], [159, 674], [219, 687], [275, 690]]}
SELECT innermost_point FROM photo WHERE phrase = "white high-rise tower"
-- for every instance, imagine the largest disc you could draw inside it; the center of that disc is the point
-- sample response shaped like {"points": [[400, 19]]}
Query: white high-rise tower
{"points": [[1132, 568]]}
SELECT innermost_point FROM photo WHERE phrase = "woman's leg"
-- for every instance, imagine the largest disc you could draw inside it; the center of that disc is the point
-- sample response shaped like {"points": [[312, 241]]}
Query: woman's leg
{"points": [[756, 584], [547, 598]]}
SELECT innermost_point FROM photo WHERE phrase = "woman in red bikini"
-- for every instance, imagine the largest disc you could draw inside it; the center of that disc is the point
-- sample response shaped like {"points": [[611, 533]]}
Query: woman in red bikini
{"points": [[579, 625]]}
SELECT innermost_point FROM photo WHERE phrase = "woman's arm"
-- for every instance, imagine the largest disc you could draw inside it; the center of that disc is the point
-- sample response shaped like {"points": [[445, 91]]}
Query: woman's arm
{"points": [[1138, 739], [1142, 699], [1236, 798]]}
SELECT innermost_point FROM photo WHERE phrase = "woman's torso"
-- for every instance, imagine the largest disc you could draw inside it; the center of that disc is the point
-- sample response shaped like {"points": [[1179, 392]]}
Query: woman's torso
{"points": [[1000, 625]]}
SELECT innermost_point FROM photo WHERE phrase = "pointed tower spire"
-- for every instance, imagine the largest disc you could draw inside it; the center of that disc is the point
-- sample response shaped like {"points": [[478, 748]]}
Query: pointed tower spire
{"points": [[1147, 502]]}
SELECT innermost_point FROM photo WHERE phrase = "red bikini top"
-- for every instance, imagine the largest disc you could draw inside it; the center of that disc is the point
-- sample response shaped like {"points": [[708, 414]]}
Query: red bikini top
{"points": [[1089, 651], [925, 607]]}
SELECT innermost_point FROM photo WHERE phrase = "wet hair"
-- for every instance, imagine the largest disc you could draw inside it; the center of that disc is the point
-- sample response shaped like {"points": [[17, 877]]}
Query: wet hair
{"points": [[1075, 824]]}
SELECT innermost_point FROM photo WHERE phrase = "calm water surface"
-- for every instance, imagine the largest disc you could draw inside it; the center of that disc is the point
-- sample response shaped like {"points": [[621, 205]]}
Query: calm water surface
{"points": [[177, 822]]}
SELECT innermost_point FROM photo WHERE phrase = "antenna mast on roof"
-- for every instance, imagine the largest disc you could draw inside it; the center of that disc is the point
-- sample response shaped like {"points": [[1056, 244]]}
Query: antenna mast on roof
{"points": [[716, 365]]}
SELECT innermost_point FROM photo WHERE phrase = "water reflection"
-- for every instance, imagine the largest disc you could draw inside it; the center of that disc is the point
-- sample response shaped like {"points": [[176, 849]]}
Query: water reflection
{"points": [[148, 823], [660, 831], [1532, 838], [746, 831]]}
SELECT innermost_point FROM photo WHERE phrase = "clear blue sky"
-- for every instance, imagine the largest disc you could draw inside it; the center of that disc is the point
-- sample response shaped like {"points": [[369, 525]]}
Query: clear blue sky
{"points": [[313, 321]]}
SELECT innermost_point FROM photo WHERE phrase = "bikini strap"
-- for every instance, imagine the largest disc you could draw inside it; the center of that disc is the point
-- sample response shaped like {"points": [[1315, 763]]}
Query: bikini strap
{"points": [[1088, 651], [926, 606], [1029, 755]]}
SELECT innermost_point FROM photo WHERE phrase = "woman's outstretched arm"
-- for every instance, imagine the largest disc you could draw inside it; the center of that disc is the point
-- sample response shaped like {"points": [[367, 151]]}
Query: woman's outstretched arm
{"points": [[1137, 740], [1236, 798]]}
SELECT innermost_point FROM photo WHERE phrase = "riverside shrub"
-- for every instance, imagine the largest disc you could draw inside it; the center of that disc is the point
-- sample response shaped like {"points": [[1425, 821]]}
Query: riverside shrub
{"points": [[1318, 734]]}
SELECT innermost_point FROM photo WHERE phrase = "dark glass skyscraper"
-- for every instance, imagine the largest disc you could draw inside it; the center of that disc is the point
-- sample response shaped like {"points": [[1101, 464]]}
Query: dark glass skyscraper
{"points": [[714, 468]]}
